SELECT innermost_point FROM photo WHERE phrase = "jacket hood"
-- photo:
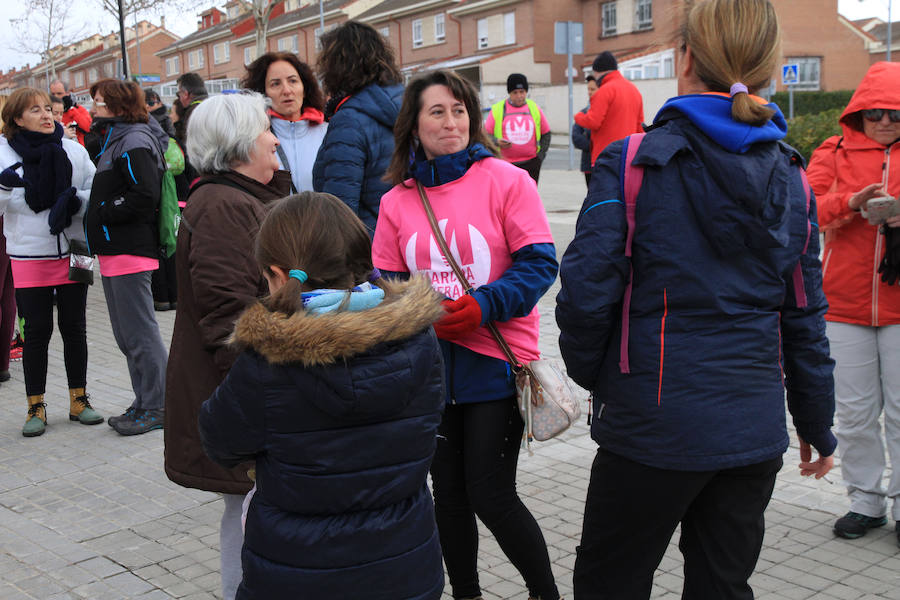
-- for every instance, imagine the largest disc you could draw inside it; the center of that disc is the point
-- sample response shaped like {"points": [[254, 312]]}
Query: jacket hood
{"points": [[343, 372], [744, 199], [116, 130], [880, 88], [323, 339], [711, 113], [380, 103]]}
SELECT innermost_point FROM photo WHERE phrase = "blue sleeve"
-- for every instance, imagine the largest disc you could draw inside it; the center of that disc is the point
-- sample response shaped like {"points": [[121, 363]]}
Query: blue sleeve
{"points": [[340, 166], [517, 291], [593, 274], [232, 420], [808, 367], [581, 137]]}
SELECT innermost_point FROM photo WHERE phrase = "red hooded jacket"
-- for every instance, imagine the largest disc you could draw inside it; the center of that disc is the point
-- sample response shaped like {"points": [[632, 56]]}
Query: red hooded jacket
{"points": [[839, 168], [616, 111]]}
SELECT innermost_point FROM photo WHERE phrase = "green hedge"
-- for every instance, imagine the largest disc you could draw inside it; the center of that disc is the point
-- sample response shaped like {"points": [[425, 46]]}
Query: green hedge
{"points": [[807, 132], [810, 103]]}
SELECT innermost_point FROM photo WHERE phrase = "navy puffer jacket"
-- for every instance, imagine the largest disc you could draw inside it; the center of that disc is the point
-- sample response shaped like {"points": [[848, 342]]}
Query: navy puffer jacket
{"points": [[357, 150], [340, 412], [716, 333]]}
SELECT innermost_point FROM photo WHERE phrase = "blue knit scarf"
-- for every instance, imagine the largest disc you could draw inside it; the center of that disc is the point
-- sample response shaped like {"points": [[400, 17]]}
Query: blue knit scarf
{"points": [[46, 166], [444, 169]]}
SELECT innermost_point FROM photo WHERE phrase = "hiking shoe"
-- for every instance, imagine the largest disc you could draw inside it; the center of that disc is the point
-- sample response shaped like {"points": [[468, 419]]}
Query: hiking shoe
{"points": [[4, 376], [854, 525], [128, 414], [142, 422], [36, 423], [161, 306], [80, 410]]}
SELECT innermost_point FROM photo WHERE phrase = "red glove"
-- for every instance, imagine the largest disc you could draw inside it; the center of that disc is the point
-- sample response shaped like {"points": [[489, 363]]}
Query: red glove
{"points": [[463, 317]]}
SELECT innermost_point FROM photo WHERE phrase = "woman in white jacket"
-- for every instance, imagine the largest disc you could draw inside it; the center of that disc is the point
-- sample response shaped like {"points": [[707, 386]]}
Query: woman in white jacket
{"points": [[45, 183]]}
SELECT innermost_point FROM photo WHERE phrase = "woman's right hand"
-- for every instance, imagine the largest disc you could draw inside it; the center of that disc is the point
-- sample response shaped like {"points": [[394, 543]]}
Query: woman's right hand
{"points": [[858, 200]]}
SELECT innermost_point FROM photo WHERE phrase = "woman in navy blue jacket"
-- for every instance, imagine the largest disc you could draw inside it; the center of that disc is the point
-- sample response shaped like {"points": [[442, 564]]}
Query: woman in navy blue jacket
{"points": [[361, 78], [337, 396], [727, 312]]}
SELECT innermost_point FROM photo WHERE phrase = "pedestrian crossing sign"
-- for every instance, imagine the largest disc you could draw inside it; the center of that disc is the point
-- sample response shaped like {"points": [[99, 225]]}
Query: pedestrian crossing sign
{"points": [[790, 74]]}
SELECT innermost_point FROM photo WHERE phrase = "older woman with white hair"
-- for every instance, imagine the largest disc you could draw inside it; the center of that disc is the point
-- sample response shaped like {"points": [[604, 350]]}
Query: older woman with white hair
{"points": [[229, 142]]}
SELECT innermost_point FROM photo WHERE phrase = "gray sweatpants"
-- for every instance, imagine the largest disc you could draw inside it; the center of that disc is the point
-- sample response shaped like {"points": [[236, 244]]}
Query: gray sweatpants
{"points": [[231, 542], [867, 383], [130, 305]]}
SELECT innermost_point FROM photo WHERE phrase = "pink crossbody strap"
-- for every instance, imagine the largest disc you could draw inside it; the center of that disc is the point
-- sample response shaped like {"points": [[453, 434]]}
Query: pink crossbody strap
{"points": [[632, 177], [799, 287]]}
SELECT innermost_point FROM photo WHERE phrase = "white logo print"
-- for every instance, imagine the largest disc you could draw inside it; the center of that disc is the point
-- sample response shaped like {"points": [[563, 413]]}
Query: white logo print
{"points": [[431, 261], [519, 129]]}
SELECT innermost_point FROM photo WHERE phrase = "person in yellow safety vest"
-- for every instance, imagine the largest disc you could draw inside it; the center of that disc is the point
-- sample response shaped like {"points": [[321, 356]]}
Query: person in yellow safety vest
{"points": [[520, 127]]}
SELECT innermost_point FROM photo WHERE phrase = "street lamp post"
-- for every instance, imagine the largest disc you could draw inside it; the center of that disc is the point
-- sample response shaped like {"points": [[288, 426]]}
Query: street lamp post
{"points": [[889, 41]]}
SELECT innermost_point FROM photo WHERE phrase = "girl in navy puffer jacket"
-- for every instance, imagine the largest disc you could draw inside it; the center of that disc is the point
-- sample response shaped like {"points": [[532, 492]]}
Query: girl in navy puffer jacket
{"points": [[337, 397]]}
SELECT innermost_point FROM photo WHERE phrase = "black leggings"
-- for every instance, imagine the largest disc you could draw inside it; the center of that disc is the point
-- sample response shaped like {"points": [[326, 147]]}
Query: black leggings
{"points": [[474, 473], [36, 307]]}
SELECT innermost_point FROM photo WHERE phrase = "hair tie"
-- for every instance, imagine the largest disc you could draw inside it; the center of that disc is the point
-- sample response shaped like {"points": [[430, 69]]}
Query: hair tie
{"points": [[737, 88], [299, 275], [374, 275]]}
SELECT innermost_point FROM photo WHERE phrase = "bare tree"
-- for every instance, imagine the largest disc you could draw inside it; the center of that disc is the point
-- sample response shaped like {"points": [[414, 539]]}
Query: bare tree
{"points": [[46, 30], [261, 11], [132, 7]]}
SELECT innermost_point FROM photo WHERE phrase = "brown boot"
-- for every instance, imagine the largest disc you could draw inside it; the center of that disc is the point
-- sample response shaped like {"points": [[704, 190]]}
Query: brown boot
{"points": [[36, 423], [80, 408]]}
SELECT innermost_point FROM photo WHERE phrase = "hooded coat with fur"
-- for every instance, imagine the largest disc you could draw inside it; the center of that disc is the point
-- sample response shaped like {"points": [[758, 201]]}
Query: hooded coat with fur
{"points": [[340, 412]]}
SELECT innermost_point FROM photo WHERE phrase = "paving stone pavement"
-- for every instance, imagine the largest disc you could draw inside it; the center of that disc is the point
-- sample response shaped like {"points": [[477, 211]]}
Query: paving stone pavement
{"points": [[86, 513]]}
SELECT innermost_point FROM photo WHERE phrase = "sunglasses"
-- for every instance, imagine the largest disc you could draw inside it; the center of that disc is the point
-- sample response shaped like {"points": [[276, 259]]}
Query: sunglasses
{"points": [[876, 114]]}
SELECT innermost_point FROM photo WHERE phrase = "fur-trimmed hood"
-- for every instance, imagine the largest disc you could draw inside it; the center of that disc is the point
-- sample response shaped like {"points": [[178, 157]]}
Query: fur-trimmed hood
{"points": [[323, 339]]}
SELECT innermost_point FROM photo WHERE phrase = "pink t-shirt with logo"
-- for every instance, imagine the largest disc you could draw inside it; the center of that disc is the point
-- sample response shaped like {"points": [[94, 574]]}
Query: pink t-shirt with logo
{"points": [[489, 213], [518, 128]]}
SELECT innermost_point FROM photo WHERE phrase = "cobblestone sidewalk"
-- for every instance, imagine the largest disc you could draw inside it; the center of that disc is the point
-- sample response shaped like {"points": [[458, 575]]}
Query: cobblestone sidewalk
{"points": [[88, 514]]}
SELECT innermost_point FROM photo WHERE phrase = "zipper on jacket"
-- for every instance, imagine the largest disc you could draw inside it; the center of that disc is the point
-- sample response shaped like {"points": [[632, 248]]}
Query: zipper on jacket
{"points": [[452, 369], [826, 261], [879, 237], [105, 230], [662, 345]]}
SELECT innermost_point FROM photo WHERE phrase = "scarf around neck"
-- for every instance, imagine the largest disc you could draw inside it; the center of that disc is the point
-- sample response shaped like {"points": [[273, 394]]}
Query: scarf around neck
{"points": [[45, 164], [449, 167]]}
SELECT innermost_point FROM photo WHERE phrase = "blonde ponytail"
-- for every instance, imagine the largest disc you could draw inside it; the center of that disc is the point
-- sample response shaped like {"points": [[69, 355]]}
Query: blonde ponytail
{"points": [[735, 41]]}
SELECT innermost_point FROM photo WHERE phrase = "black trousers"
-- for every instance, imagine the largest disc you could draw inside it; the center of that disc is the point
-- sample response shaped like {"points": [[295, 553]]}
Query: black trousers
{"points": [[632, 511], [163, 282], [533, 166], [36, 307], [474, 473]]}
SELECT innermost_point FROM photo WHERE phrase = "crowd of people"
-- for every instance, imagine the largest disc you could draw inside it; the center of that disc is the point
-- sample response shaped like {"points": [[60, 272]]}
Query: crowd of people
{"points": [[326, 357]]}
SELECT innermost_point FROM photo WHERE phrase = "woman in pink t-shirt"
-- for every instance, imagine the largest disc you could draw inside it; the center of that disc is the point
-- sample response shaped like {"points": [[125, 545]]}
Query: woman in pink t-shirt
{"points": [[44, 187], [494, 222]]}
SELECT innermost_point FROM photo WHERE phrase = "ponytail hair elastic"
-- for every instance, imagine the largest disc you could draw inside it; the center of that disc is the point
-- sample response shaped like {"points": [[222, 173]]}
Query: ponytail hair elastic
{"points": [[375, 275], [737, 88], [299, 275]]}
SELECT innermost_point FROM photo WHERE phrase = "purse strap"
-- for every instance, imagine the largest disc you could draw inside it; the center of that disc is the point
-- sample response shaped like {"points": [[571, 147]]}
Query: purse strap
{"points": [[445, 250]]}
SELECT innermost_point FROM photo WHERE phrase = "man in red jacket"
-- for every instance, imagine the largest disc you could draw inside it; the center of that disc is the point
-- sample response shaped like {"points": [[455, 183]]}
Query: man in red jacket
{"points": [[617, 109], [73, 113]]}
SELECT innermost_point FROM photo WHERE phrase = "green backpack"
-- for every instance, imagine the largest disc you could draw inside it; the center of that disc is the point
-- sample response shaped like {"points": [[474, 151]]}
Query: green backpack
{"points": [[169, 212]]}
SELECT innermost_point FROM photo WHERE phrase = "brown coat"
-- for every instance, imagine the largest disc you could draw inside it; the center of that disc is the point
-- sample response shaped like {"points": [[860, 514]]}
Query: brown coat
{"points": [[217, 279]]}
